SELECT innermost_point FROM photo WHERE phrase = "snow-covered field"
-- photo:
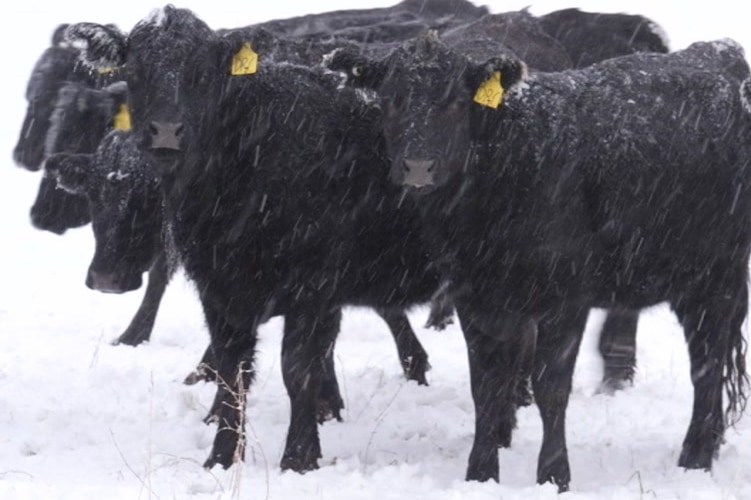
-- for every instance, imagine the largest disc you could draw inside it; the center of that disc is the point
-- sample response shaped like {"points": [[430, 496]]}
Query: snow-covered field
{"points": [[81, 419]]}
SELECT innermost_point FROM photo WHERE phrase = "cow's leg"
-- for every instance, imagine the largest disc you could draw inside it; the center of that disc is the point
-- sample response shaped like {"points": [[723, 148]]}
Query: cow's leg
{"points": [[330, 403], [308, 335], [558, 340], [412, 355], [618, 349], [233, 351], [142, 323], [523, 395], [716, 350], [495, 355], [441, 307], [206, 369]]}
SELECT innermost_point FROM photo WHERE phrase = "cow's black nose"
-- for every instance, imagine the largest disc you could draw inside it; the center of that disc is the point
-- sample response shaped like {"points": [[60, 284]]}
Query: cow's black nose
{"points": [[419, 172], [165, 135]]}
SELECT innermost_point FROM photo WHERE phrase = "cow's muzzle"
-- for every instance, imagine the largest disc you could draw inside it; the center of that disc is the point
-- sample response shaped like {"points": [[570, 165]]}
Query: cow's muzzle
{"points": [[419, 173], [166, 135]]}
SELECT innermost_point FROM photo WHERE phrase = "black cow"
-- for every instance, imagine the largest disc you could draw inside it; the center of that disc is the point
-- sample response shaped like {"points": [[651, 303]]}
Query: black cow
{"points": [[395, 23], [53, 210], [591, 37], [70, 112], [83, 116], [277, 200], [57, 210], [128, 227], [587, 38], [517, 32], [79, 120], [621, 185], [67, 113], [521, 34]]}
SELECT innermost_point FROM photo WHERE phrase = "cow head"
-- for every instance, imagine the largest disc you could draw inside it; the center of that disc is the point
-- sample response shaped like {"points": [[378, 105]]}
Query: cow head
{"points": [[57, 65], [56, 210], [80, 119], [427, 91], [125, 206], [176, 69], [82, 116]]}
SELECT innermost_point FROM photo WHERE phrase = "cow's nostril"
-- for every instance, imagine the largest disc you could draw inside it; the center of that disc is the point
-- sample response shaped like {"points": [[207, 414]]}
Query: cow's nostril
{"points": [[419, 165], [165, 135], [419, 172]]}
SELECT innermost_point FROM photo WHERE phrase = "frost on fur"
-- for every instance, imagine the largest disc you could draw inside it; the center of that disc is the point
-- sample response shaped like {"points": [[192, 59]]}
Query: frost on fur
{"points": [[746, 94], [102, 46], [660, 32]]}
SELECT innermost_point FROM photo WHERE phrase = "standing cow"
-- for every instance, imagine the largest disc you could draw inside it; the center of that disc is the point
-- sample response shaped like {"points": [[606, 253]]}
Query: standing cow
{"points": [[70, 108], [53, 210], [523, 35], [624, 184], [591, 37], [277, 200]]}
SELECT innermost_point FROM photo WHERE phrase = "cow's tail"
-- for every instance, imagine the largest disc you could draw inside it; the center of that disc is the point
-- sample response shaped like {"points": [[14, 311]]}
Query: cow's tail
{"points": [[735, 378]]}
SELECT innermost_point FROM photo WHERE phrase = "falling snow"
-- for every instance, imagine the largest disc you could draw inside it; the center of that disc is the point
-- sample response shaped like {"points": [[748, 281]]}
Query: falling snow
{"points": [[83, 419]]}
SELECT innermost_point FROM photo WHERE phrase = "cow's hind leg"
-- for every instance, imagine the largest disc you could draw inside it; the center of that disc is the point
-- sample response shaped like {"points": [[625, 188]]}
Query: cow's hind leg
{"points": [[413, 357], [712, 326], [618, 349], [330, 403], [309, 334], [206, 369], [558, 340]]}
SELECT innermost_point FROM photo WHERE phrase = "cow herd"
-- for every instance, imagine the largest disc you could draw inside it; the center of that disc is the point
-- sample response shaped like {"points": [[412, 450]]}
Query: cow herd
{"points": [[516, 170]]}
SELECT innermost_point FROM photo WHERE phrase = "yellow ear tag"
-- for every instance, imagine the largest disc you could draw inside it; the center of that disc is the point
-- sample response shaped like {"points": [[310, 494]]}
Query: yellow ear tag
{"points": [[245, 62], [122, 118], [106, 70], [490, 93]]}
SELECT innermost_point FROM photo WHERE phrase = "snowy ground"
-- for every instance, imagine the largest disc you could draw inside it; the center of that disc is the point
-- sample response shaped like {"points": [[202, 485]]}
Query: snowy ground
{"points": [[81, 419]]}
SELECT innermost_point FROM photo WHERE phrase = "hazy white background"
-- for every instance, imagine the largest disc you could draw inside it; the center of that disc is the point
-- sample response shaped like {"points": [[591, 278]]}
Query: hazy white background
{"points": [[80, 419]]}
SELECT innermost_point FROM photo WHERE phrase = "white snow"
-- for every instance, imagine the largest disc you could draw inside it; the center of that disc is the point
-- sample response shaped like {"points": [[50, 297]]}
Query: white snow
{"points": [[81, 419]]}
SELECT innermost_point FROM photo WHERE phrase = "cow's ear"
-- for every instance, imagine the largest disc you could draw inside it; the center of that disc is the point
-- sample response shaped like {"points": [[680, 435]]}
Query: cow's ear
{"points": [[241, 51], [358, 70], [58, 36], [72, 172], [103, 47], [117, 94], [492, 80]]}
